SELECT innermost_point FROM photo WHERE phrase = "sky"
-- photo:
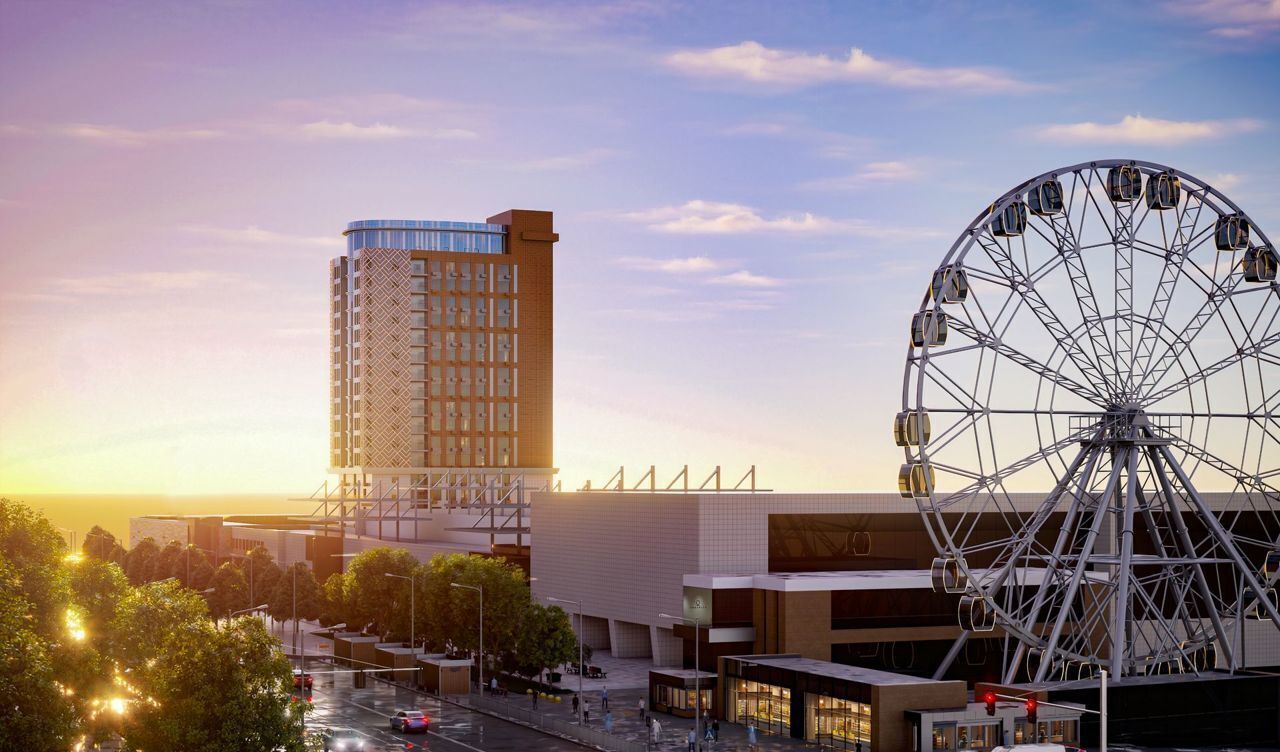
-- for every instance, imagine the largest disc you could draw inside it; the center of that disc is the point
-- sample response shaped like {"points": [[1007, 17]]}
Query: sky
{"points": [[750, 197]]}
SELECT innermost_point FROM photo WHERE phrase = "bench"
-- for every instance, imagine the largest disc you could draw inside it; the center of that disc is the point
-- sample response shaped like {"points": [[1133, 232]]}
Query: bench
{"points": [[594, 672]]}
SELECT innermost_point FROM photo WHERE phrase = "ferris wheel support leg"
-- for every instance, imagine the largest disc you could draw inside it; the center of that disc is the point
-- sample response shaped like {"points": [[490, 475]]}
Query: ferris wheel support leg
{"points": [[950, 658], [1120, 626], [1224, 539], [1180, 530], [1078, 574], [1064, 533]]}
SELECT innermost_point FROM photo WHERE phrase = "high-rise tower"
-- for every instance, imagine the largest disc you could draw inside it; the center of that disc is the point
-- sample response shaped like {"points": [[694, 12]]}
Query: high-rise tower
{"points": [[441, 352]]}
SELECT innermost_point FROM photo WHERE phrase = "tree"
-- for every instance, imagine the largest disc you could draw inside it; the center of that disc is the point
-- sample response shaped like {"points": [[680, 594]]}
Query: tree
{"points": [[333, 604], [200, 567], [263, 573], [310, 599], [230, 591], [545, 640], [139, 562], [147, 616], [34, 550], [377, 602], [220, 688], [97, 587], [450, 616], [101, 544], [34, 714]]}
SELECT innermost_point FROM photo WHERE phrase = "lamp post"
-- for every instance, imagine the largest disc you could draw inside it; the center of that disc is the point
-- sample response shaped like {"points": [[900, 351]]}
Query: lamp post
{"points": [[697, 670], [581, 667], [413, 608], [479, 590], [249, 610]]}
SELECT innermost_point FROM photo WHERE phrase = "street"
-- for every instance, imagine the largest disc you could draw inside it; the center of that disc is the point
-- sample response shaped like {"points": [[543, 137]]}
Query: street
{"points": [[453, 729]]}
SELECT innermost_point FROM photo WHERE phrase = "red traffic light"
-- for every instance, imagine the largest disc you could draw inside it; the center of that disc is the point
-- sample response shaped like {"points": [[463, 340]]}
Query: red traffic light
{"points": [[990, 699], [1032, 706]]}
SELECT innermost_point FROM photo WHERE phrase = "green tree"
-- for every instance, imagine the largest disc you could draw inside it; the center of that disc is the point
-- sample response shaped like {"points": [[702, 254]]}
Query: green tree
{"points": [[310, 599], [34, 550], [149, 615], [97, 587], [221, 688], [34, 714], [230, 591], [140, 561], [450, 618], [263, 573], [545, 640], [101, 544], [333, 604], [170, 562], [376, 602], [200, 567]]}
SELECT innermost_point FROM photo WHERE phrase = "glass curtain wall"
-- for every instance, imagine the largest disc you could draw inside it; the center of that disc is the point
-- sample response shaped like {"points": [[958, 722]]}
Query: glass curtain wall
{"points": [[766, 706], [837, 724]]}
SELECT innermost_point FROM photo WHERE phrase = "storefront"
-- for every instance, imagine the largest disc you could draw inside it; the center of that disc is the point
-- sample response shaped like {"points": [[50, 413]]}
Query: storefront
{"points": [[672, 690], [828, 704], [970, 728]]}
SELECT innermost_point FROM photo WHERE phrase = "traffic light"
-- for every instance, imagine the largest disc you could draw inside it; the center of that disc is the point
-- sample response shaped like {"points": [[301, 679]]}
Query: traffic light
{"points": [[990, 699], [1032, 706]]}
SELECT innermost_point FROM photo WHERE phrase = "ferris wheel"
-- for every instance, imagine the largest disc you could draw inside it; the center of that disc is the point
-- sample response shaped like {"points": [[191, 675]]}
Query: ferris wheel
{"points": [[1091, 423]]}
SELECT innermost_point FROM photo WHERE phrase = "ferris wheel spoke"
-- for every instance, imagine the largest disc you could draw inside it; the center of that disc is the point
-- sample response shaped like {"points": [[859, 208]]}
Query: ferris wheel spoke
{"points": [[1001, 256], [1256, 350], [1035, 366], [1183, 339], [1170, 273], [1008, 471]]}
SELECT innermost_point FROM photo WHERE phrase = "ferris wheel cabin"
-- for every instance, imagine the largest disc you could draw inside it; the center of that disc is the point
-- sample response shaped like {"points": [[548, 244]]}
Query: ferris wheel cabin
{"points": [[1124, 184], [1163, 191], [1260, 264], [950, 284], [1011, 221], [1045, 199], [1231, 233]]}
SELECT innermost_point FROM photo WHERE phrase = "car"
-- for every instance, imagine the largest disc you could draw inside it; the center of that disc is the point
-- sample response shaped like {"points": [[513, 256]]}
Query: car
{"points": [[302, 680], [410, 720], [341, 740]]}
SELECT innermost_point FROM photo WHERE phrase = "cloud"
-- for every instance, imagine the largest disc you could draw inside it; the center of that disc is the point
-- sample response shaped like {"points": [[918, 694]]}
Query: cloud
{"points": [[1225, 181], [1136, 129], [872, 173], [254, 235], [325, 129], [754, 63], [131, 137], [566, 161], [1233, 19], [719, 218], [692, 264], [744, 278], [136, 283]]}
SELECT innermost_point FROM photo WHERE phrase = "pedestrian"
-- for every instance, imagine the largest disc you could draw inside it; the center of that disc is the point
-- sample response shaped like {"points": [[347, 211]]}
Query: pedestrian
{"points": [[604, 699], [752, 737], [534, 695], [586, 710], [493, 686], [706, 734], [857, 747], [640, 705], [575, 704], [693, 739], [715, 731], [657, 730], [608, 722]]}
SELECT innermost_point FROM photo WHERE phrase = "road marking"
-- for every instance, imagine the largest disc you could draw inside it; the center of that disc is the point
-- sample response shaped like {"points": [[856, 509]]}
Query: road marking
{"points": [[403, 739]]}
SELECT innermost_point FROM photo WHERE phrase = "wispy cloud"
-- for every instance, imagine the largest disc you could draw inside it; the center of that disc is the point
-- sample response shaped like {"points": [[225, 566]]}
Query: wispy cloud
{"points": [[566, 161], [1136, 129], [115, 135], [257, 236], [136, 283], [744, 278], [1233, 19], [700, 217], [872, 174], [691, 264], [754, 63], [325, 129]]}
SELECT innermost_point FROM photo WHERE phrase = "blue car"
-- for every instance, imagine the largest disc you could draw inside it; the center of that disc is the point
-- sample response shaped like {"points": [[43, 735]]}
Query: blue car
{"points": [[408, 721]]}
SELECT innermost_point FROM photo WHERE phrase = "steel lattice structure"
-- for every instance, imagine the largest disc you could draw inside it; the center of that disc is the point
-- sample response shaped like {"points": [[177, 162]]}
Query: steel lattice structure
{"points": [[1109, 331]]}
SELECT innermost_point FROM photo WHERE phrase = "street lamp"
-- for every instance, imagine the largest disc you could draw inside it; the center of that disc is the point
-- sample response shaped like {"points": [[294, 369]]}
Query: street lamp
{"points": [[413, 608], [479, 590], [697, 671], [263, 607], [581, 667]]}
